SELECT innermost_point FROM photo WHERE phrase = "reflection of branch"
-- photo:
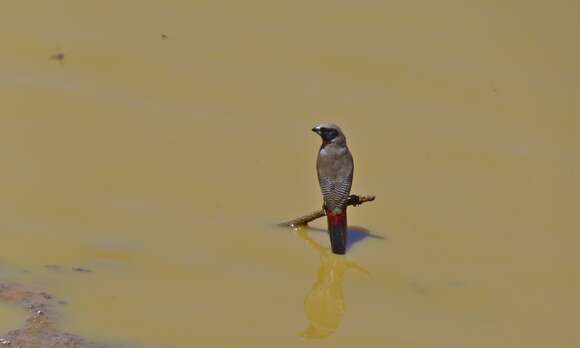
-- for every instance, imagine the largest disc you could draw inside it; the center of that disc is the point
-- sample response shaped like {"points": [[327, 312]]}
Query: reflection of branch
{"points": [[303, 233], [353, 200], [358, 268], [324, 252]]}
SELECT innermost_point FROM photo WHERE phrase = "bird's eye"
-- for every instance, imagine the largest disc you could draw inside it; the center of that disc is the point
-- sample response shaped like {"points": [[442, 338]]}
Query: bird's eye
{"points": [[328, 133], [331, 133]]}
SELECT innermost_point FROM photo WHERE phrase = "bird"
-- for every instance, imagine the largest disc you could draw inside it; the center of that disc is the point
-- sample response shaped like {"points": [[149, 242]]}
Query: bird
{"points": [[334, 167]]}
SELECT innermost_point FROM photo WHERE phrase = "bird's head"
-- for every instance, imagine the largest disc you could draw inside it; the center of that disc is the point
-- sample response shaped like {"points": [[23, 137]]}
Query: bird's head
{"points": [[330, 133]]}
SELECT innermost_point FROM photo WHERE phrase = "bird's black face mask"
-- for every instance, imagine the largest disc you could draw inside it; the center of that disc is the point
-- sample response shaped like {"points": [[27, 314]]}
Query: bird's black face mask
{"points": [[327, 134]]}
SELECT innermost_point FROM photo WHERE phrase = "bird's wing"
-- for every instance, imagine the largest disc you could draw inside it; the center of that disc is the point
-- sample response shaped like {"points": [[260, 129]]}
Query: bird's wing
{"points": [[335, 191], [335, 168]]}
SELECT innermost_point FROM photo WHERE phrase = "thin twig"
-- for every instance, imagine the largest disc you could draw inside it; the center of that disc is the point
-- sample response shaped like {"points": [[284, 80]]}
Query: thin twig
{"points": [[353, 200]]}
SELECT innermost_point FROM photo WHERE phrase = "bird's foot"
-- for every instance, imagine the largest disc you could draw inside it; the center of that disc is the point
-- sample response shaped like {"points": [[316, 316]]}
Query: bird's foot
{"points": [[354, 200]]}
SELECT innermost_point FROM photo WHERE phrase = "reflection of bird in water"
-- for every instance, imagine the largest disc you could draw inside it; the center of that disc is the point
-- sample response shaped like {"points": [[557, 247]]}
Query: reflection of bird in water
{"points": [[324, 304]]}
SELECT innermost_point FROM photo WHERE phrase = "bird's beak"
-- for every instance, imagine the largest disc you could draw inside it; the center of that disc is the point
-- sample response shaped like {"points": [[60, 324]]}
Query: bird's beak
{"points": [[316, 130]]}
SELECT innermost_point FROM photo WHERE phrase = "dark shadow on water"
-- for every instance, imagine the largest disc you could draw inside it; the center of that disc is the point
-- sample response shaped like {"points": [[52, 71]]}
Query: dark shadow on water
{"points": [[356, 234]]}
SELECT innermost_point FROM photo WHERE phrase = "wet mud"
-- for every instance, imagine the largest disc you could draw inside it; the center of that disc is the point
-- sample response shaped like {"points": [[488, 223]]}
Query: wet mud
{"points": [[39, 329]]}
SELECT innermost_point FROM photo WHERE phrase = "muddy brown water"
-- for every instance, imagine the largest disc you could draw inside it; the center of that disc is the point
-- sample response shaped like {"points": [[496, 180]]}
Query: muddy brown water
{"points": [[162, 163]]}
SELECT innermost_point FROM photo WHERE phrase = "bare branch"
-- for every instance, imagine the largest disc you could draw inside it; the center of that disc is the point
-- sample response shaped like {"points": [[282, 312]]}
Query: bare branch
{"points": [[353, 200]]}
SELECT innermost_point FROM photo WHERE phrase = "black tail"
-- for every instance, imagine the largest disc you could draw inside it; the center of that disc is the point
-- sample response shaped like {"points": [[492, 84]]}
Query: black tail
{"points": [[337, 229]]}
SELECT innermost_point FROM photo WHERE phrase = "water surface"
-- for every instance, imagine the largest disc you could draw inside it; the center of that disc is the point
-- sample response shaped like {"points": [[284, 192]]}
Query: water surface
{"points": [[161, 164]]}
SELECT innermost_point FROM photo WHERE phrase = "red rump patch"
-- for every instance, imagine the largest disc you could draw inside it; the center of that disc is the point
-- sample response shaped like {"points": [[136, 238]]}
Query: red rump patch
{"points": [[336, 219]]}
